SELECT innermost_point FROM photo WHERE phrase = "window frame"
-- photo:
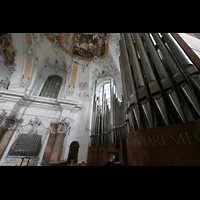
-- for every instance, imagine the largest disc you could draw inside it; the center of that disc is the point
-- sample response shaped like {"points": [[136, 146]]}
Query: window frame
{"points": [[100, 94], [47, 87]]}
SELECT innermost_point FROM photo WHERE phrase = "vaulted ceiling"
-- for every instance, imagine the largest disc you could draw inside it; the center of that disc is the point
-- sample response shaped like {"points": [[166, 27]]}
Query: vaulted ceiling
{"points": [[84, 46]]}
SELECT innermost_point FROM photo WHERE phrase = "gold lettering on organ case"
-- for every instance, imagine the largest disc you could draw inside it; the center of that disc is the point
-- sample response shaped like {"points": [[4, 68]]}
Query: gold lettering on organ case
{"points": [[185, 138]]}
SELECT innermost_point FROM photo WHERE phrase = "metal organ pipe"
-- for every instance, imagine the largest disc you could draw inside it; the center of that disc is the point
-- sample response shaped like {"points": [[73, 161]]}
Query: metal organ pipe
{"points": [[139, 79], [177, 75], [154, 87], [165, 80], [186, 64], [124, 76], [156, 76], [132, 94]]}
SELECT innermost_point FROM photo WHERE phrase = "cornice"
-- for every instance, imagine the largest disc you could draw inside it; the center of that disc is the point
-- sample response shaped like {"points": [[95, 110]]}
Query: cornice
{"points": [[23, 99]]}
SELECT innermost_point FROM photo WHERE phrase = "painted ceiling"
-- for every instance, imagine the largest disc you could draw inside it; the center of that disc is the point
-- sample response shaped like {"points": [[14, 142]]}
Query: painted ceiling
{"points": [[82, 45]]}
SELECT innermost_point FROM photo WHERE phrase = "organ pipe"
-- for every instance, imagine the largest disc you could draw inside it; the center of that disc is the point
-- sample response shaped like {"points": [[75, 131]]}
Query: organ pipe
{"points": [[158, 81]]}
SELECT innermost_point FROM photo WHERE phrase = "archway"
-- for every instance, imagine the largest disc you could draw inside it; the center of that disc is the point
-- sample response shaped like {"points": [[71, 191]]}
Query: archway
{"points": [[73, 151]]}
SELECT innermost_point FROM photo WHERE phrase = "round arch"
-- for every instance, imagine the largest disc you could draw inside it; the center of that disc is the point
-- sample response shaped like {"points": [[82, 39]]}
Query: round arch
{"points": [[74, 143], [73, 152]]}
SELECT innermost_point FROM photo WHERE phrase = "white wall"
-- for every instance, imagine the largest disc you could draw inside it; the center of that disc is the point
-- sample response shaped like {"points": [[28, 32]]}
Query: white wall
{"points": [[75, 108]]}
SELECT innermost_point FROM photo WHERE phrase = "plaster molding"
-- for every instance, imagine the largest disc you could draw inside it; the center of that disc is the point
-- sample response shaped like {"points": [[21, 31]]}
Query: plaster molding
{"points": [[35, 123], [11, 69], [114, 37], [55, 46], [56, 66], [4, 84], [38, 38], [24, 82], [84, 95], [96, 60], [7, 49], [60, 126], [47, 103], [10, 121], [29, 51]]}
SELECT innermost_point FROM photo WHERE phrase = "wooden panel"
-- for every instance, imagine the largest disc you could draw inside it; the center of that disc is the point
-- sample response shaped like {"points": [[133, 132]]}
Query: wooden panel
{"points": [[73, 153], [91, 157], [96, 154], [123, 154], [100, 153], [168, 145], [113, 148]]}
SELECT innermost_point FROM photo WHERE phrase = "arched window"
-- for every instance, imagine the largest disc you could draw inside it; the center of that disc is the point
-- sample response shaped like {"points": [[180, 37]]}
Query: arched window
{"points": [[51, 87], [107, 91]]}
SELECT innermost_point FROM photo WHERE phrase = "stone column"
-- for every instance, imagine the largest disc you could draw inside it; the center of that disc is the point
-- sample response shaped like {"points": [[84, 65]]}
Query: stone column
{"points": [[57, 149]]}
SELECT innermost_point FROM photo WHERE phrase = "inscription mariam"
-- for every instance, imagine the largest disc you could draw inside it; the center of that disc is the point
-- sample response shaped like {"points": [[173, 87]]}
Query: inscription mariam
{"points": [[186, 138]]}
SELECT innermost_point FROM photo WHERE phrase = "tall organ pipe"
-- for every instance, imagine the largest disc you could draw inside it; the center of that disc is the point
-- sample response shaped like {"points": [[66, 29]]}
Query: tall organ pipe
{"points": [[139, 79], [152, 82], [132, 95], [165, 80], [165, 74], [177, 75], [186, 64]]}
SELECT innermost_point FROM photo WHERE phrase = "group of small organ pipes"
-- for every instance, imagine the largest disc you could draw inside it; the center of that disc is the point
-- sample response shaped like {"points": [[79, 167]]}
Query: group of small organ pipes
{"points": [[161, 86], [108, 125]]}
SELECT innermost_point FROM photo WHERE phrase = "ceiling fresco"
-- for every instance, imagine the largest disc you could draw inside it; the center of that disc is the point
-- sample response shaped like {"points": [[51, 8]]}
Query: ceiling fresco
{"points": [[82, 45]]}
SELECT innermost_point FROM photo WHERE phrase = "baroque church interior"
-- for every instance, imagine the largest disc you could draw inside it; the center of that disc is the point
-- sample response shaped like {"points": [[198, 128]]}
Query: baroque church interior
{"points": [[99, 99]]}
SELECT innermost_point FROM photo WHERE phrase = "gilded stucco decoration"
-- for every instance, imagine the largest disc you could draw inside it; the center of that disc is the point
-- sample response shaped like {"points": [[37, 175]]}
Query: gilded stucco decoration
{"points": [[74, 74], [38, 38], [115, 38], [4, 84], [8, 53], [57, 67], [106, 71], [83, 46], [29, 54], [9, 121], [62, 127], [73, 77], [84, 95], [83, 86], [7, 50]]}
